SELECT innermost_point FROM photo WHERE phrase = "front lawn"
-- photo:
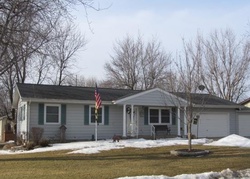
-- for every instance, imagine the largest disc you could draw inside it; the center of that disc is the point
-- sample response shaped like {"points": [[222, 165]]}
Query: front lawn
{"points": [[122, 162]]}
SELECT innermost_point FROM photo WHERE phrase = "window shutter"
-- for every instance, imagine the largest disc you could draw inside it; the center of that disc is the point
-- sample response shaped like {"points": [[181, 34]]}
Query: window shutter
{"points": [[174, 116], [86, 115], [106, 115], [40, 113], [63, 114], [145, 115]]}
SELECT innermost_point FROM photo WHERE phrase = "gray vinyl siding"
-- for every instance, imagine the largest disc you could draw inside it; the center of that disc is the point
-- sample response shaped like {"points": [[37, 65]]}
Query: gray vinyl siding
{"points": [[51, 131], [146, 129], [155, 98], [76, 130]]}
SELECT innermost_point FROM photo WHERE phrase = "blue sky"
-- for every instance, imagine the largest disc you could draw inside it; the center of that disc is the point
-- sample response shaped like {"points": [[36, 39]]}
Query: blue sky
{"points": [[167, 20]]}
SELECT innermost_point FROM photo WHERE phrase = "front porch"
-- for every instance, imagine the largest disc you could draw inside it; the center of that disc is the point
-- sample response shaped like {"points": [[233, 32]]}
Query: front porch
{"points": [[138, 122], [152, 107]]}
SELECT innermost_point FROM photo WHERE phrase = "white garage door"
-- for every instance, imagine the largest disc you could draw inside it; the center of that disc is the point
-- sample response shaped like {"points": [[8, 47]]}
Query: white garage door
{"points": [[244, 125], [212, 125]]}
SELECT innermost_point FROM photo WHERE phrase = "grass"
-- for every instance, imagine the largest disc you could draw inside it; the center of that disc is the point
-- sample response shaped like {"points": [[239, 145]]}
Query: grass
{"points": [[122, 162]]}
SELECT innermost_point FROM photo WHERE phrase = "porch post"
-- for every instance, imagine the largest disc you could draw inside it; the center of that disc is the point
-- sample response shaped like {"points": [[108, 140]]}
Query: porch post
{"points": [[185, 121], [179, 121], [124, 133], [132, 121]]}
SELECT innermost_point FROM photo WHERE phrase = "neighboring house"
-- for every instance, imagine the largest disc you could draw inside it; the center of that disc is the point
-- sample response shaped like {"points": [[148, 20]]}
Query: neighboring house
{"points": [[246, 102], [6, 132], [128, 113]]}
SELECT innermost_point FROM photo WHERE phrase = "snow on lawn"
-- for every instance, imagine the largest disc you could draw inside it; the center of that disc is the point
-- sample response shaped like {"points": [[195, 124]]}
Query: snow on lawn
{"points": [[232, 140], [95, 147], [244, 174]]}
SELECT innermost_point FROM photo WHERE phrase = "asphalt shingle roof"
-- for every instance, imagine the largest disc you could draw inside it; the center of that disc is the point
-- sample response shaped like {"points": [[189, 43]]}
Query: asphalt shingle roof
{"points": [[206, 99], [70, 92], [107, 94]]}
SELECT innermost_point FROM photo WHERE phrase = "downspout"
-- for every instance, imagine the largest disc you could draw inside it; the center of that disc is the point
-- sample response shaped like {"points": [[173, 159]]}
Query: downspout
{"points": [[28, 121]]}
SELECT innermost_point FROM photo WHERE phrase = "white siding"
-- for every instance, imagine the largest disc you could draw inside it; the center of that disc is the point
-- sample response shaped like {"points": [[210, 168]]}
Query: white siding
{"points": [[212, 125], [22, 124], [219, 122]]}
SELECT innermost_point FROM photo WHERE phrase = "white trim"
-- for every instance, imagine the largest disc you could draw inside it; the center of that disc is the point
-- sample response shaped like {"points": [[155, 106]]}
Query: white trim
{"points": [[185, 121], [159, 117], [59, 114], [124, 134], [93, 123], [179, 121], [132, 121]]}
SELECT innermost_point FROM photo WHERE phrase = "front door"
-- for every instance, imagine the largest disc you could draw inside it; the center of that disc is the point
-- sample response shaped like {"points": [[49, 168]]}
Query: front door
{"points": [[132, 123]]}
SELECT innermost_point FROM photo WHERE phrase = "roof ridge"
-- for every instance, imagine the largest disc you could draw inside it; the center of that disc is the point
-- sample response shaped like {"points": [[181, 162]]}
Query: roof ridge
{"points": [[76, 86]]}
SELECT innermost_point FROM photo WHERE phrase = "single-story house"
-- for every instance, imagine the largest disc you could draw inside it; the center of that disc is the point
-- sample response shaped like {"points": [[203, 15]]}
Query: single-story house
{"points": [[124, 112]]}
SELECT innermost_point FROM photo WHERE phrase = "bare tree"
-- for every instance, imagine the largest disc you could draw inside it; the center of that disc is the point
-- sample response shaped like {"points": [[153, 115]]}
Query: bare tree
{"points": [[137, 65], [155, 66], [27, 27], [124, 68], [189, 78], [63, 49], [226, 61], [219, 62], [40, 69], [78, 80]]}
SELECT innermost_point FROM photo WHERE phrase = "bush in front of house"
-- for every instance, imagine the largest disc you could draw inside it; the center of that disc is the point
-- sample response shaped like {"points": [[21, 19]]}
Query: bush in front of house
{"points": [[36, 134], [30, 145], [8, 146], [44, 143]]}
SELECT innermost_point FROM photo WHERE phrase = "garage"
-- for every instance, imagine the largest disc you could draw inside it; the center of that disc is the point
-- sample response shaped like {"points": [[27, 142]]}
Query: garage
{"points": [[212, 125], [244, 125]]}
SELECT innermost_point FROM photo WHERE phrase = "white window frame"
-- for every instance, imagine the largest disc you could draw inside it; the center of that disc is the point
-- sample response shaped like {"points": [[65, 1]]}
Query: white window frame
{"points": [[92, 123], [159, 114], [45, 113]]}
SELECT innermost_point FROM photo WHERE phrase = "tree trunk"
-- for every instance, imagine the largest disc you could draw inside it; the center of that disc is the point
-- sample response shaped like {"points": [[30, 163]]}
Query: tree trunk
{"points": [[189, 125]]}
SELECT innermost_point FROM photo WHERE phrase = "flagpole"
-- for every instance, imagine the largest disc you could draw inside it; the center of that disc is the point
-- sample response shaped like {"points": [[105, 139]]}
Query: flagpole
{"points": [[96, 128], [98, 103]]}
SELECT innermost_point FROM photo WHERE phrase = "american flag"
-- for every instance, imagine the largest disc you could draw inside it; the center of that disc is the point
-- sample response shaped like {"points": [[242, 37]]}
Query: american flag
{"points": [[98, 101]]}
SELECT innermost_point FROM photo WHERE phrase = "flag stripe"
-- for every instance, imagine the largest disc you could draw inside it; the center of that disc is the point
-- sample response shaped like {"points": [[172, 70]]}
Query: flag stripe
{"points": [[98, 101]]}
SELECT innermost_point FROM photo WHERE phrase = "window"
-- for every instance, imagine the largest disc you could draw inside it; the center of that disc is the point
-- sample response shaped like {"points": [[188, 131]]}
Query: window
{"points": [[92, 115], [154, 116], [52, 114], [165, 116], [159, 116]]}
